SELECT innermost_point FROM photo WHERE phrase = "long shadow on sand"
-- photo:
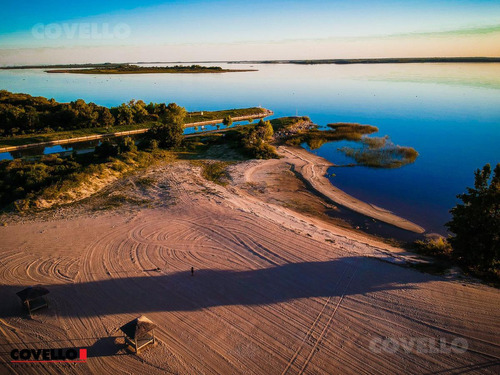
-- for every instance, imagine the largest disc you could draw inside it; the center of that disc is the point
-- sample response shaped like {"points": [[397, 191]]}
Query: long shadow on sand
{"points": [[179, 291]]}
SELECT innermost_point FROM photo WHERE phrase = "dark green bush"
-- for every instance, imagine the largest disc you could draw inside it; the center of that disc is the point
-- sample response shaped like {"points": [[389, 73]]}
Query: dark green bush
{"points": [[475, 222]]}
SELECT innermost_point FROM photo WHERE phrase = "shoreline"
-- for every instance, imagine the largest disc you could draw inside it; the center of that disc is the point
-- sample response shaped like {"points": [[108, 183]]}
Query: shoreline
{"points": [[386, 60], [312, 170]]}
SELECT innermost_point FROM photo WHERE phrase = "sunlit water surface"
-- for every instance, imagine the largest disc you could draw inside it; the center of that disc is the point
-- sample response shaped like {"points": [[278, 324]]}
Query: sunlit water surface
{"points": [[450, 113]]}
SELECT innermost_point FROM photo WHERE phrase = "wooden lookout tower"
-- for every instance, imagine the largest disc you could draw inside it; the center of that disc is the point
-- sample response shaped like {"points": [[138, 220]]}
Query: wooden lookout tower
{"points": [[33, 298], [139, 333]]}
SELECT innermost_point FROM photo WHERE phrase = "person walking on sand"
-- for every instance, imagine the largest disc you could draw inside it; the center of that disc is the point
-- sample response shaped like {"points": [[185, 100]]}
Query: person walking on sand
{"points": [[192, 271]]}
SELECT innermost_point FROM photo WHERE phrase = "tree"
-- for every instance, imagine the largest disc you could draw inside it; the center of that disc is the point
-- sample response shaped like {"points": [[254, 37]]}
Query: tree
{"points": [[173, 114], [106, 119], [266, 129], [476, 222], [30, 119], [170, 132], [167, 135], [255, 141], [139, 111], [151, 108], [227, 121], [84, 115], [123, 114]]}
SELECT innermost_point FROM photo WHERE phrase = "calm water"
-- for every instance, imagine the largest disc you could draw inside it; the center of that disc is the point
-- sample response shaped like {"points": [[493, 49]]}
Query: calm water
{"points": [[450, 113]]}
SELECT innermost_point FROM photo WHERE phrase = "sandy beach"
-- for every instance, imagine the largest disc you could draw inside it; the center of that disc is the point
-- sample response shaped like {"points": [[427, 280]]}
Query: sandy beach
{"points": [[275, 291]]}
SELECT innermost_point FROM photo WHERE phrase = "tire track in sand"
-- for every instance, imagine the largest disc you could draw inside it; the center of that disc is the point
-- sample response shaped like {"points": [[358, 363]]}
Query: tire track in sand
{"points": [[319, 327]]}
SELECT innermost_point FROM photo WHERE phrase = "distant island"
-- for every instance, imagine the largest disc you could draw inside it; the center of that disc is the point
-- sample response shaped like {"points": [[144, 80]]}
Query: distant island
{"points": [[391, 60], [109, 68], [136, 69]]}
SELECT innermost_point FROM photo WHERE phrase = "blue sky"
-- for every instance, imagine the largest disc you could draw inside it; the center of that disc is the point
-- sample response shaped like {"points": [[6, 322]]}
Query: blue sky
{"points": [[353, 27]]}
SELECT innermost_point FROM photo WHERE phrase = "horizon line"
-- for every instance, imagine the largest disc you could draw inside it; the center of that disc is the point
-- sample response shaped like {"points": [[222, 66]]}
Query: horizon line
{"points": [[381, 60]]}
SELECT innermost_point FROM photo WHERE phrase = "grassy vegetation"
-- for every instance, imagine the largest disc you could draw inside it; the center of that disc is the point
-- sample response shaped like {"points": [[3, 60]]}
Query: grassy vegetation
{"points": [[136, 69], [444, 258], [434, 268], [215, 171], [145, 181], [352, 131], [117, 200], [377, 152], [286, 123], [438, 247], [380, 152], [215, 115], [252, 141], [28, 185], [342, 131]]}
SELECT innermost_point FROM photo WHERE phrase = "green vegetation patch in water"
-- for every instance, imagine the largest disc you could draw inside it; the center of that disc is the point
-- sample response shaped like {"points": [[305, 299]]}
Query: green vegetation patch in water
{"points": [[380, 152], [315, 138], [376, 152]]}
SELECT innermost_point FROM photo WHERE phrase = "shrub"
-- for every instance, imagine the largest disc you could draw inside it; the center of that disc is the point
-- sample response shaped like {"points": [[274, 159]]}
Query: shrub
{"points": [[127, 145], [255, 143], [215, 172], [167, 135], [106, 149], [434, 246]]}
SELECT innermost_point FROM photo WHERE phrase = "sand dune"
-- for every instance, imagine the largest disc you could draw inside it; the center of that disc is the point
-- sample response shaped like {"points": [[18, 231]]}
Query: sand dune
{"points": [[274, 292]]}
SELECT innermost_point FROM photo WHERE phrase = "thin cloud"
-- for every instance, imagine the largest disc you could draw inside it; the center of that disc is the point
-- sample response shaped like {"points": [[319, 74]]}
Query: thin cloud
{"points": [[474, 31]]}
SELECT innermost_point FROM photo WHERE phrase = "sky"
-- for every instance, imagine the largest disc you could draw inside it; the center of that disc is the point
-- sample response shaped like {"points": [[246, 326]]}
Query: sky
{"points": [[199, 30]]}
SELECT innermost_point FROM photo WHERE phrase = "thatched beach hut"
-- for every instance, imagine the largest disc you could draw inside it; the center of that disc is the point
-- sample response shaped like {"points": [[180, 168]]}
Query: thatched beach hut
{"points": [[33, 298], [139, 332]]}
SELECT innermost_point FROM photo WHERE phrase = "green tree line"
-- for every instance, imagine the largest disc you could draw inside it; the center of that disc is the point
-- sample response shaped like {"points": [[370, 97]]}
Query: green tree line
{"points": [[26, 114]]}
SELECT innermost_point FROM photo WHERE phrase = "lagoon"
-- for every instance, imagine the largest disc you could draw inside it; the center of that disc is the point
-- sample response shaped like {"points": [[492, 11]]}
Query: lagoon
{"points": [[450, 113]]}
